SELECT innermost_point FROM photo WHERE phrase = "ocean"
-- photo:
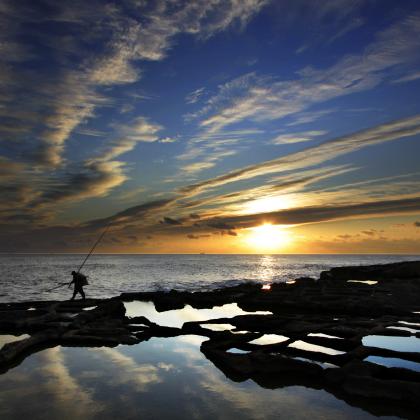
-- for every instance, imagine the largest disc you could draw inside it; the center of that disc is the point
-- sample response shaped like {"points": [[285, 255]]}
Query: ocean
{"points": [[30, 276]]}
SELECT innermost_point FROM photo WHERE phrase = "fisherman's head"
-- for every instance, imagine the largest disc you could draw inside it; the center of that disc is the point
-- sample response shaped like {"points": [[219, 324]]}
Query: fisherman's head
{"points": [[73, 273]]}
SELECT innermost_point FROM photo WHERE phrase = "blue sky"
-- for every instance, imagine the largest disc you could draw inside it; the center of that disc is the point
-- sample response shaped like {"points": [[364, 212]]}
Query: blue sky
{"points": [[182, 120]]}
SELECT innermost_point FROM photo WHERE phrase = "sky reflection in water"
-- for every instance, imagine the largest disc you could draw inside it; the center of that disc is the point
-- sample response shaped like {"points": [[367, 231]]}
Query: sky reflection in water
{"points": [[408, 344], [394, 362], [161, 378], [177, 317]]}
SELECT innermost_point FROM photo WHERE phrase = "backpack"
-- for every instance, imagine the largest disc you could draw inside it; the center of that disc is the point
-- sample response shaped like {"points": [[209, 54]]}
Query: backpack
{"points": [[82, 279]]}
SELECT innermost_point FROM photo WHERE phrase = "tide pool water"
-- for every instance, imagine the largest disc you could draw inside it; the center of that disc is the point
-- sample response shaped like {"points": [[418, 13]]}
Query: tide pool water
{"points": [[163, 378]]}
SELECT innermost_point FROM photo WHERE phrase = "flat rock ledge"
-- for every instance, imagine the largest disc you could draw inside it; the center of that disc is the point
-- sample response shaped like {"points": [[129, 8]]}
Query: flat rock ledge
{"points": [[322, 323]]}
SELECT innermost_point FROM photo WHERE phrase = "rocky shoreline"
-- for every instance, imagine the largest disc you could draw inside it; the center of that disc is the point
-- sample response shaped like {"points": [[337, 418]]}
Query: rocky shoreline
{"points": [[335, 312]]}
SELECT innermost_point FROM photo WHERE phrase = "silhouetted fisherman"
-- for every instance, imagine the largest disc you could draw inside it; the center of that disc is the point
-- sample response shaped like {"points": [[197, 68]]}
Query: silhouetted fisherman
{"points": [[79, 281]]}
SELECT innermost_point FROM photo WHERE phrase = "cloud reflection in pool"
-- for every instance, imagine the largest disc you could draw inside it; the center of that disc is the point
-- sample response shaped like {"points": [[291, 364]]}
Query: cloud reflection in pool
{"points": [[177, 317], [161, 378]]}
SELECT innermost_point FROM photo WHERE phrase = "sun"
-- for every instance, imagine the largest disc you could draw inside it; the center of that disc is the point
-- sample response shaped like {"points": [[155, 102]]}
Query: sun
{"points": [[268, 237]]}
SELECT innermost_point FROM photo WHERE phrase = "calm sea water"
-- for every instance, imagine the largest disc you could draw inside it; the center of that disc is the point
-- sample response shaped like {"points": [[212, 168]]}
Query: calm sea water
{"points": [[29, 276]]}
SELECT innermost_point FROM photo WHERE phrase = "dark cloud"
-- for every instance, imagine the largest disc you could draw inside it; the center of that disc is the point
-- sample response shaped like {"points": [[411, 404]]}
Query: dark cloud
{"points": [[372, 232], [135, 213], [28, 194], [192, 236], [94, 179], [194, 216], [345, 236], [9, 169], [218, 224], [170, 221], [417, 224]]}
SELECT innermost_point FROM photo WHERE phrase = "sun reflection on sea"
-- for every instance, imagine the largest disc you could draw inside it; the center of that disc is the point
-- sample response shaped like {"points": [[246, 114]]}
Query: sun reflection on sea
{"points": [[267, 268]]}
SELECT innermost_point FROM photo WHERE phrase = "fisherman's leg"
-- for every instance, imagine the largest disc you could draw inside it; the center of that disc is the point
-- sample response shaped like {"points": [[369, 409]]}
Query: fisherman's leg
{"points": [[74, 294], [81, 291]]}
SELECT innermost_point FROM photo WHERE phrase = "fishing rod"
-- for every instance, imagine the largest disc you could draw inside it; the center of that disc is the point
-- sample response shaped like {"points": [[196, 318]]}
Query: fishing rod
{"points": [[94, 246], [56, 287], [84, 261]]}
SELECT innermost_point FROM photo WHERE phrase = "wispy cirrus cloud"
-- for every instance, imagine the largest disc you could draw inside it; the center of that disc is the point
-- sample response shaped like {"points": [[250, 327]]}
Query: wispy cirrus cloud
{"points": [[315, 155], [149, 40], [139, 130], [214, 155], [120, 40], [255, 99], [168, 140], [408, 78], [291, 138], [195, 95], [309, 116], [263, 98], [206, 149]]}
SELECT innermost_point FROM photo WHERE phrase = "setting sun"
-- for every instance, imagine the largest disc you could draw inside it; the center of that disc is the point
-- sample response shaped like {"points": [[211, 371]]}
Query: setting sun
{"points": [[268, 237]]}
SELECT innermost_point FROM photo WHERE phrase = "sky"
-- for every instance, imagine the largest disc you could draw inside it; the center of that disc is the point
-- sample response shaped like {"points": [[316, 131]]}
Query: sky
{"points": [[231, 126]]}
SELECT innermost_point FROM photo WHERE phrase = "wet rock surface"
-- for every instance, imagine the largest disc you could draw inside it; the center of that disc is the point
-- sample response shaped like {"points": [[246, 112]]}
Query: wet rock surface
{"points": [[313, 336]]}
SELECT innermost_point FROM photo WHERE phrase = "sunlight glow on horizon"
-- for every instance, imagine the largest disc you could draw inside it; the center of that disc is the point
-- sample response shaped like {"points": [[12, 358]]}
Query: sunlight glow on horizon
{"points": [[268, 237]]}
